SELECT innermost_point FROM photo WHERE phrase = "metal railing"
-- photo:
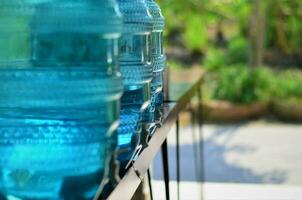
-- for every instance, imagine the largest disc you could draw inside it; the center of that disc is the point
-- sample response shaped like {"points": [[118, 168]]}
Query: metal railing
{"points": [[140, 168]]}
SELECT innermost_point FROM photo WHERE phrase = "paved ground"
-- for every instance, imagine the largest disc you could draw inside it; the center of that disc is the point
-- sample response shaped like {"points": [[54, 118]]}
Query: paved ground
{"points": [[230, 191], [260, 158]]}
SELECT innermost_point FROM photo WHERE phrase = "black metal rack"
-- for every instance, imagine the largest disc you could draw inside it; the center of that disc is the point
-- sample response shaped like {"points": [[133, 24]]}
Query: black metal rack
{"points": [[171, 109]]}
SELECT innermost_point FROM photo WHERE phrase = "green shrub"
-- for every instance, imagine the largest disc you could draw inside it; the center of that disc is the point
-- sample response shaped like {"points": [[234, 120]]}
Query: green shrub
{"points": [[195, 35], [237, 51], [214, 59], [288, 85], [235, 85], [239, 84]]}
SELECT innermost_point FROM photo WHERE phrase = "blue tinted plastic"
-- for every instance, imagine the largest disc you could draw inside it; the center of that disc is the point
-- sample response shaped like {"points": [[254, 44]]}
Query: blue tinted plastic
{"points": [[157, 52], [136, 73], [152, 116], [59, 99]]}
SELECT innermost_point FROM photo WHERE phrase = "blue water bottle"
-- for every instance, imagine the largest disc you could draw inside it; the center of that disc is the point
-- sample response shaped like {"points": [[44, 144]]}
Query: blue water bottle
{"points": [[152, 116], [136, 69], [158, 58], [59, 98]]}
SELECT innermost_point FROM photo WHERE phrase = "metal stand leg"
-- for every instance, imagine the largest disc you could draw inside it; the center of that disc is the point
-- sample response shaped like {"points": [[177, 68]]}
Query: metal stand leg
{"points": [[150, 184], [200, 122], [200, 118], [177, 158], [196, 146], [164, 150]]}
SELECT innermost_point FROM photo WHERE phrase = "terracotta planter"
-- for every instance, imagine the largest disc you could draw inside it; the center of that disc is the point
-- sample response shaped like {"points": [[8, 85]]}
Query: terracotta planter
{"points": [[222, 111], [287, 110]]}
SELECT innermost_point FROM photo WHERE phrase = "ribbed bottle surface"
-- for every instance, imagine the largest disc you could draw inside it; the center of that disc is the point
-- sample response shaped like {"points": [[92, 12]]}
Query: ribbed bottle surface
{"points": [[136, 70], [157, 58], [136, 16], [59, 100], [157, 52]]}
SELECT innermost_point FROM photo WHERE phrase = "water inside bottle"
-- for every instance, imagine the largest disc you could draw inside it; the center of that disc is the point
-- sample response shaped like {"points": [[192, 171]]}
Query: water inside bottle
{"points": [[137, 73], [59, 110], [54, 132]]}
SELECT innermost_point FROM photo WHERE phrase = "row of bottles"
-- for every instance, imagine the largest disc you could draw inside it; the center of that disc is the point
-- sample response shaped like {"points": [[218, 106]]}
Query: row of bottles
{"points": [[80, 91], [136, 71]]}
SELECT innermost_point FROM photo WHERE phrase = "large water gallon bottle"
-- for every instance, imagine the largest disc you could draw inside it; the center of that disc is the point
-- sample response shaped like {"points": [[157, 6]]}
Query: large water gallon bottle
{"points": [[152, 116], [59, 97], [134, 46], [158, 58]]}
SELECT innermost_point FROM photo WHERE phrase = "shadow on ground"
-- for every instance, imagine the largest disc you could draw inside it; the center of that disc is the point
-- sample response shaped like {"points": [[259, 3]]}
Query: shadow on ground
{"points": [[216, 168]]}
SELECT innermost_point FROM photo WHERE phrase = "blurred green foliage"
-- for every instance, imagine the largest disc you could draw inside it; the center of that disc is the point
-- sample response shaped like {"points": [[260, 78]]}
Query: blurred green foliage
{"points": [[174, 65], [240, 84], [198, 22], [215, 59], [195, 38], [284, 25], [219, 29], [236, 54], [288, 85], [237, 51]]}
